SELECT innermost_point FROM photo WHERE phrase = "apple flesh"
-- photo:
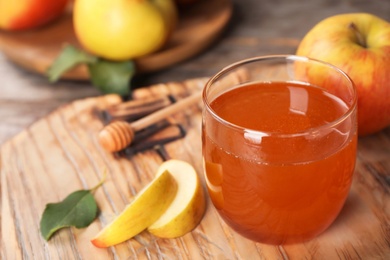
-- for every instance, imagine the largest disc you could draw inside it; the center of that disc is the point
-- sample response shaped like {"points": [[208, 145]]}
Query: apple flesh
{"points": [[29, 14], [188, 206], [146, 208], [359, 44]]}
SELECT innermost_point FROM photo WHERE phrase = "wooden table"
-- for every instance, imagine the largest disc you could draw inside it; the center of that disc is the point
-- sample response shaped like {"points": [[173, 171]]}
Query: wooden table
{"points": [[258, 27]]}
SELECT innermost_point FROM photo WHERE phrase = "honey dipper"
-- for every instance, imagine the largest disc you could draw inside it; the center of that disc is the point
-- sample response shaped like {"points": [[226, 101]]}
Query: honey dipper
{"points": [[119, 134]]}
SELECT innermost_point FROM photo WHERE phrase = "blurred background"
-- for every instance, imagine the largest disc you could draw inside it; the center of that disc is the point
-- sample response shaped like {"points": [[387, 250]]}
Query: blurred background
{"points": [[257, 27]]}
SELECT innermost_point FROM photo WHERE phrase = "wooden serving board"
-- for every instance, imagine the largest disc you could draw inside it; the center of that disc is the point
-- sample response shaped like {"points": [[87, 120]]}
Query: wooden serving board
{"points": [[199, 26], [60, 154]]}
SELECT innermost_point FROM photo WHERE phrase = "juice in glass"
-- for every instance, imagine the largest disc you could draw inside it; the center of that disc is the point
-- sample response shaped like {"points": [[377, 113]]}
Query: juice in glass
{"points": [[279, 157]]}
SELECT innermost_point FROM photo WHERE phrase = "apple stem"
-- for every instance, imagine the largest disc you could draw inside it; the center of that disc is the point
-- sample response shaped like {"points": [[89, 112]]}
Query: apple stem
{"points": [[358, 34]]}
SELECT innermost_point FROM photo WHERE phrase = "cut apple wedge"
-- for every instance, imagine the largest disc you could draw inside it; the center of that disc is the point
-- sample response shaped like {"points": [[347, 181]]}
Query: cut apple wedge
{"points": [[188, 207], [148, 205]]}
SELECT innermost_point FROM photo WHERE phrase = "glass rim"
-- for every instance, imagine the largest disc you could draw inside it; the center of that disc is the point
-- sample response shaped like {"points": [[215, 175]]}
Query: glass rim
{"points": [[285, 57]]}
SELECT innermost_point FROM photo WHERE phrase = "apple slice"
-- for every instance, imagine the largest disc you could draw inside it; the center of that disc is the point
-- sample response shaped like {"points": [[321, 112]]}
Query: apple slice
{"points": [[188, 206], [144, 210]]}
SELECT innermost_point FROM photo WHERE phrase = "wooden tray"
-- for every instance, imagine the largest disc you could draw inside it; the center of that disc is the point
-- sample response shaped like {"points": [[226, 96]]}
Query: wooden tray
{"points": [[199, 26], [60, 154]]}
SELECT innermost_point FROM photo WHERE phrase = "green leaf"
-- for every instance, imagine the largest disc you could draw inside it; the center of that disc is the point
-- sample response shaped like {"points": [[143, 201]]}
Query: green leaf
{"points": [[107, 76], [69, 57], [79, 209], [112, 77]]}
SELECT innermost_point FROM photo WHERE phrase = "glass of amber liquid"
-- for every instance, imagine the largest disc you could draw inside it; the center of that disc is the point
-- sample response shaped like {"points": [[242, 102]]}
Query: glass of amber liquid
{"points": [[279, 140]]}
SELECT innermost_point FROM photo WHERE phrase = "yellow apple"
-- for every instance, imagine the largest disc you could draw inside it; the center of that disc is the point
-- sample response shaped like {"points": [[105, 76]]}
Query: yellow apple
{"points": [[145, 209], [169, 11], [28, 14], [188, 206], [359, 44], [123, 29]]}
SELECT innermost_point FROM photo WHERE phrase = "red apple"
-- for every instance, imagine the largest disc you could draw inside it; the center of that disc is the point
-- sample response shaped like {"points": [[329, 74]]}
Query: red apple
{"points": [[28, 14], [359, 44]]}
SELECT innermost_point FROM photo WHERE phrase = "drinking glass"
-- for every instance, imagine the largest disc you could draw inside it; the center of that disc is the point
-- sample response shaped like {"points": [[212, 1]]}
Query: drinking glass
{"points": [[279, 140]]}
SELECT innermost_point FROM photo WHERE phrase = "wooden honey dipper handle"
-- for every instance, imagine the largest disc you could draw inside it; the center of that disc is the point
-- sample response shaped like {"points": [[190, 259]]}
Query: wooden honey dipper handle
{"points": [[119, 134]]}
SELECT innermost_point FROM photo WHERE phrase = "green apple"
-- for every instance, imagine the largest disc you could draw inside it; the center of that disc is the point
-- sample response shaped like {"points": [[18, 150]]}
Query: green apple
{"points": [[188, 206], [149, 204], [123, 29], [359, 44]]}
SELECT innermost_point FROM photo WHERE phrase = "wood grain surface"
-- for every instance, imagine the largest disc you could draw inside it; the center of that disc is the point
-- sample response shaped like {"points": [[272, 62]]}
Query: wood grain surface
{"points": [[59, 154], [198, 27]]}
